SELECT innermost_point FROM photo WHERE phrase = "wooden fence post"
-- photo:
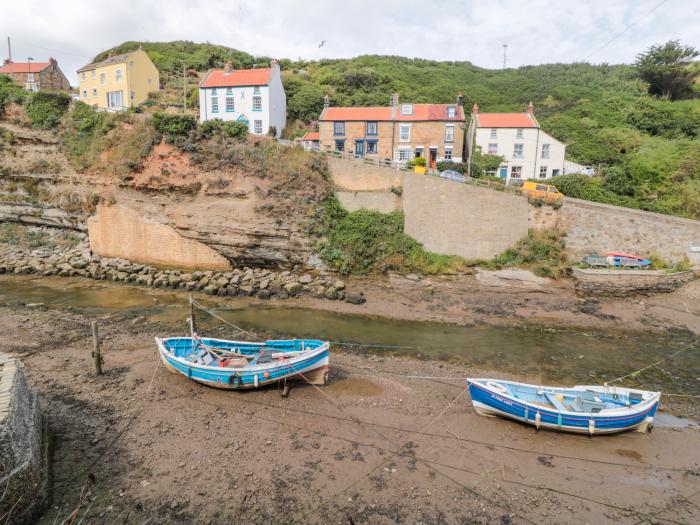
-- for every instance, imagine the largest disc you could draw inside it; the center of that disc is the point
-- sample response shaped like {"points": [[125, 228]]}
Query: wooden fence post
{"points": [[96, 349]]}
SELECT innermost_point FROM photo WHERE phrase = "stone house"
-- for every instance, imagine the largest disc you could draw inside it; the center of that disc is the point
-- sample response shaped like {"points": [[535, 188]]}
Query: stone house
{"points": [[528, 152], [396, 133], [310, 141], [119, 81], [35, 76], [253, 96]]}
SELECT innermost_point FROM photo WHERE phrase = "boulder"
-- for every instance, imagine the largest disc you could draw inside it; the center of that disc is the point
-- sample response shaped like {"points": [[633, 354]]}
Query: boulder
{"points": [[339, 285], [211, 289], [355, 298], [293, 288], [305, 279]]}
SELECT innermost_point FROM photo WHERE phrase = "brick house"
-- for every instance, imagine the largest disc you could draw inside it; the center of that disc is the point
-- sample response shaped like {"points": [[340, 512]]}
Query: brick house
{"points": [[396, 133], [35, 76]]}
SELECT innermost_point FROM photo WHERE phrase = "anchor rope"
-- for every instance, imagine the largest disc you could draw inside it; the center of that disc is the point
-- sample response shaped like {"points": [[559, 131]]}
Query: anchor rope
{"points": [[637, 372]]}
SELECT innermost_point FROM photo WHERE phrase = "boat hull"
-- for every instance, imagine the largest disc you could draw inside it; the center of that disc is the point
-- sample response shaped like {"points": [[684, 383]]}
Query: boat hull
{"points": [[489, 403], [312, 367]]}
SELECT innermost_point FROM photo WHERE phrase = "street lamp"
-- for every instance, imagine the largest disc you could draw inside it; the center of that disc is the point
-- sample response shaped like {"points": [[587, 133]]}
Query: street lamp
{"points": [[29, 74]]}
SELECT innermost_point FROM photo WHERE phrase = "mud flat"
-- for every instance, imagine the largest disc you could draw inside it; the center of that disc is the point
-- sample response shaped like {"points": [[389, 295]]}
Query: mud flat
{"points": [[379, 444]]}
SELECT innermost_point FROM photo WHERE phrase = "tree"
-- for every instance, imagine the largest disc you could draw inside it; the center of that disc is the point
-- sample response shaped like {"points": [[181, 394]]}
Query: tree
{"points": [[306, 104], [667, 69]]}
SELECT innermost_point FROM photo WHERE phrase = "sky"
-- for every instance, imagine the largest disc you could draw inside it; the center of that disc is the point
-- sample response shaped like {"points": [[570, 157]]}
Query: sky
{"points": [[535, 31]]}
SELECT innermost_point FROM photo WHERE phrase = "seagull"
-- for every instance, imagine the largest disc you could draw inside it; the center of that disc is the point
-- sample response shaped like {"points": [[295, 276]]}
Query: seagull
{"points": [[323, 43]]}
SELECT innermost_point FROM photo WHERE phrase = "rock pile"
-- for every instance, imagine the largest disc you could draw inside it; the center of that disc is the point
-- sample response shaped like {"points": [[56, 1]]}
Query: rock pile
{"points": [[259, 282]]}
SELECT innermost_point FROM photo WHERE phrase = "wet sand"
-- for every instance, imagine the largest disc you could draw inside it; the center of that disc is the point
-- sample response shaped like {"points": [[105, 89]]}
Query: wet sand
{"points": [[374, 446]]}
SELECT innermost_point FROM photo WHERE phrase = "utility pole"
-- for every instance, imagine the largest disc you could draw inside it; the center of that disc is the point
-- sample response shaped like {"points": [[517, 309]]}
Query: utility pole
{"points": [[505, 49], [9, 52], [184, 87], [96, 349]]}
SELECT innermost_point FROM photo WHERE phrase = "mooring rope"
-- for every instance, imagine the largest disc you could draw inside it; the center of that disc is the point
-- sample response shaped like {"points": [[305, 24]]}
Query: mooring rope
{"points": [[637, 372]]}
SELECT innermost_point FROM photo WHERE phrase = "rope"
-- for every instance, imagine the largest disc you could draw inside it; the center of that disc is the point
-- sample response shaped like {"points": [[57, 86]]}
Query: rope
{"points": [[214, 314], [637, 372]]}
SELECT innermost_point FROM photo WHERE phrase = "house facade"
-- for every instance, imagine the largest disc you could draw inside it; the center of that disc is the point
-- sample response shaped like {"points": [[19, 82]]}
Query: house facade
{"points": [[311, 141], [253, 96], [528, 152], [118, 82], [397, 133], [35, 76]]}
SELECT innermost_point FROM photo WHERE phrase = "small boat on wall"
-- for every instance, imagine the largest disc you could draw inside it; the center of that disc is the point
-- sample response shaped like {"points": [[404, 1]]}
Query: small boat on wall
{"points": [[237, 365], [581, 409]]}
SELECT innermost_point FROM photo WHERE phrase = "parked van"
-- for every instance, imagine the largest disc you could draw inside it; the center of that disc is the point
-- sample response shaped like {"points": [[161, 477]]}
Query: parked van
{"points": [[536, 191]]}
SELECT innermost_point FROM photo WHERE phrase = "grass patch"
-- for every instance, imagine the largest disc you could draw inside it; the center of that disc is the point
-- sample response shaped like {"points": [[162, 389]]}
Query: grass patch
{"points": [[364, 242], [542, 251]]}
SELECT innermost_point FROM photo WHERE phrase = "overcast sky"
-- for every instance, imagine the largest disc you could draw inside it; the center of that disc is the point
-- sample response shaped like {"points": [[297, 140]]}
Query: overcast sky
{"points": [[536, 31]]}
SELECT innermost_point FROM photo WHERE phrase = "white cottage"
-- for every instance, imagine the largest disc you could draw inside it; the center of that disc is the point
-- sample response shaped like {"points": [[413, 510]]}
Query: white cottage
{"points": [[528, 152], [253, 96]]}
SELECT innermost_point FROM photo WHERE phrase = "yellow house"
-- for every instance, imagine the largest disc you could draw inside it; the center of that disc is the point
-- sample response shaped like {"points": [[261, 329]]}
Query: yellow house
{"points": [[118, 82]]}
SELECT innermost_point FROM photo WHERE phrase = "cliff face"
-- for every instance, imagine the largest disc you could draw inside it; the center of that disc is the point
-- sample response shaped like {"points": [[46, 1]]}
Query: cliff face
{"points": [[171, 212]]}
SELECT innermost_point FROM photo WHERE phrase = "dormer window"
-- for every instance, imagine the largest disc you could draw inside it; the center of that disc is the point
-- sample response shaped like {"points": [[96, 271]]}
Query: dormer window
{"points": [[407, 109], [451, 112]]}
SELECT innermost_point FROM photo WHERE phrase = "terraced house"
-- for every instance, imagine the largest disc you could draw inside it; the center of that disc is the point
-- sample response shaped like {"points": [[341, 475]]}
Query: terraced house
{"points": [[253, 96], [396, 133], [36, 76], [118, 82]]}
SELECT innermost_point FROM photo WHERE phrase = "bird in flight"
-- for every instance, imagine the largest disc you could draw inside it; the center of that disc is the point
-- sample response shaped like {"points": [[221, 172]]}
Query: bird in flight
{"points": [[323, 43]]}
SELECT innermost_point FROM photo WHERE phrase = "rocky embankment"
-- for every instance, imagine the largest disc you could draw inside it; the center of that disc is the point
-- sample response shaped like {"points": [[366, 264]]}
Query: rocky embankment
{"points": [[69, 261]]}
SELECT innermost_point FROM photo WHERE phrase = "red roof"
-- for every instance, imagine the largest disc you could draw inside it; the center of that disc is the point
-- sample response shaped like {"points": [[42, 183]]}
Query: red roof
{"points": [[506, 120], [420, 112], [237, 78], [312, 135], [24, 67]]}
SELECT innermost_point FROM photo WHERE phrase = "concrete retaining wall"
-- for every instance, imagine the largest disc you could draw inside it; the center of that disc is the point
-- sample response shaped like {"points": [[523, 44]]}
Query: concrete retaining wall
{"points": [[120, 232], [381, 201], [628, 282], [355, 175], [23, 446], [460, 219]]}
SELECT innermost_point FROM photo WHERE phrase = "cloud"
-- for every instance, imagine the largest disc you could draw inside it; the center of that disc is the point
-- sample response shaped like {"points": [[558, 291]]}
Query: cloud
{"points": [[536, 31]]}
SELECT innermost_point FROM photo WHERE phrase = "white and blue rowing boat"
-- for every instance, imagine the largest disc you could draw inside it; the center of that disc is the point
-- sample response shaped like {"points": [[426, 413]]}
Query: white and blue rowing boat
{"points": [[582, 409], [237, 365]]}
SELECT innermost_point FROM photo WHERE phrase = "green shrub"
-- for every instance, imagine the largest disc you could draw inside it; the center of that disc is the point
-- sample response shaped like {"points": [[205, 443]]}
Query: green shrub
{"points": [[45, 109], [10, 92], [543, 251], [229, 129], [173, 123]]}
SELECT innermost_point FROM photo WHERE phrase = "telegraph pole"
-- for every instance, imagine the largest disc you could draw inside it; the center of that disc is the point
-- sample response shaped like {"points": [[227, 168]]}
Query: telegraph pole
{"points": [[505, 49], [9, 52]]}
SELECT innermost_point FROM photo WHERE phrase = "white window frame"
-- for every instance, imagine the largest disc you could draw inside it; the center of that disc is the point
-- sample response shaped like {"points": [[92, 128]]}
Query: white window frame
{"points": [[94, 92], [257, 127], [450, 133], [519, 133], [543, 172], [492, 148], [374, 125], [545, 151], [516, 172], [257, 102], [451, 112], [407, 136], [84, 93], [403, 154], [494, 133], [448, 154], [118, 75], [407, 109], [103, 78], [93, 74], [230, 102], [214, 104], [375, 146], [339, 128], [518, 150]]}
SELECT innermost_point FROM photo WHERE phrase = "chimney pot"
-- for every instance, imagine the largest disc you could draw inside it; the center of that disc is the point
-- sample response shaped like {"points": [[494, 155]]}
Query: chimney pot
{"points": [[475, 108], [7, 61], [228, 68], [394, 105], [460, 99], [531, 108], [326, 101]]}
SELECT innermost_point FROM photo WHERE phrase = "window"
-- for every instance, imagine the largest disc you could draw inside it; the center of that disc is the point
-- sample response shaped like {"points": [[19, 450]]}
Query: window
{"points": [[404, 154], [256, 89], [541, 187], [419, 152], [132, 95], [493, 133], [545, 151], [213, 92], [543, 172], [229, 103], [84, 76], [448, 153], [405, 132], [517, 151], [115, 99], [339, 129], [555, 173], [94, 92], [451, 112], [519, 133], [371, 128], [257, 103], [371, 147], [118, 75], [257, 127], [149, 81], [449, 133], [30, 77], [339, 145], [407, 109], [93, 73], [85, 93], [103, 78], [229, 91], [516, 172], [214, 104], [493, 149]]}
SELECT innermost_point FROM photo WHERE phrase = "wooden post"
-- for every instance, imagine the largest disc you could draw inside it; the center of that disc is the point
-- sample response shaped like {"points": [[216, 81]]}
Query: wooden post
{"points": [[96, 349], [193, 326]]}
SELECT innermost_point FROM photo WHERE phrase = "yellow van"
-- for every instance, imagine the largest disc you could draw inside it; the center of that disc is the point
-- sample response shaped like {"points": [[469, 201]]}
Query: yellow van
{"points": [[537, 191]]}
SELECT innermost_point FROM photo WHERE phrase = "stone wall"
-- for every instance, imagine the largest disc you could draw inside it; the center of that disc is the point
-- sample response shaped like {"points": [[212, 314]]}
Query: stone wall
{"points": [[355, 175], [381, 201], [599, 228], [453, 218], [628, 282], [23, 446], [116, 231]]}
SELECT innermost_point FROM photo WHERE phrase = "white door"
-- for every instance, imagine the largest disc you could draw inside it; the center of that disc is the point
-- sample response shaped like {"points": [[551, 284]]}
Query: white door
{"points": [[115, 99]]}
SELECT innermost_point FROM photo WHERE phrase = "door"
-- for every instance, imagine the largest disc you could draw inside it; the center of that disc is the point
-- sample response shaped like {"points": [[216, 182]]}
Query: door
{"points": [[359, 148], [433, 158], [115, 99], [503, 172]]}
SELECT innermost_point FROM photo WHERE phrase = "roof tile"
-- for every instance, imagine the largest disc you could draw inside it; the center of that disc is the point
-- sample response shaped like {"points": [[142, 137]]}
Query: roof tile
{"points": [[421, 112], [506, 120], [237, 78], [24, 67]]}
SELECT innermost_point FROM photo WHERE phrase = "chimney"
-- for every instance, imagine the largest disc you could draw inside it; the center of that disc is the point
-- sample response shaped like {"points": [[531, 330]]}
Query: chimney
{"points": [[475, 108], [227, 68], [460, 99], [6, 61], [394, 104], [531, 108], [52, 60], [326, 101]]}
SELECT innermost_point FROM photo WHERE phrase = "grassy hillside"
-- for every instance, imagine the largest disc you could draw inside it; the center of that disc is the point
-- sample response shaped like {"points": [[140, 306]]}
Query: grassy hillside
{"points": [[646, 149]]}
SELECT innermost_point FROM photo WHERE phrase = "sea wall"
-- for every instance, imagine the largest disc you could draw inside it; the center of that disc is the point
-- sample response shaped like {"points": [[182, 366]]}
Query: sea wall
{"points": [[356, 175], [381, 201], [628, 282], [23, 446]]}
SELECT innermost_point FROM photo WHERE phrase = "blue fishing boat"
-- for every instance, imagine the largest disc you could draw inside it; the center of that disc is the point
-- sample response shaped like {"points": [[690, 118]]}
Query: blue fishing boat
{"points": [[582, 409], [235, 365]]}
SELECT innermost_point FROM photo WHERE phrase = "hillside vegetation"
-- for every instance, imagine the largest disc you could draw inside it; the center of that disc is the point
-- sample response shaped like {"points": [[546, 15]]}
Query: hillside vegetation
{"points": [[645, 148]]}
